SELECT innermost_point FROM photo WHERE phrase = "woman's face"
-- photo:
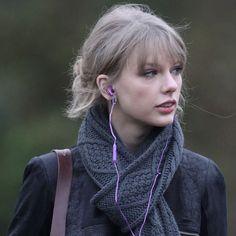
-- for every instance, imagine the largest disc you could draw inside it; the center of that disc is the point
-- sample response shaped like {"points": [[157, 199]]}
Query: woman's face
{"points": [[148, 96]]}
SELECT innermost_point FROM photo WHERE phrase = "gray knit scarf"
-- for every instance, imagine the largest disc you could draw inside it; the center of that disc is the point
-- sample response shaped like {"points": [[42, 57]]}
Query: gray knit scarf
{"points": [[137, 171]]}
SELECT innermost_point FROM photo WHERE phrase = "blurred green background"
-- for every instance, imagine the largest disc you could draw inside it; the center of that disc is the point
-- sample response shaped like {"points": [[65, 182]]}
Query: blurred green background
{"points": [[39, 41]]}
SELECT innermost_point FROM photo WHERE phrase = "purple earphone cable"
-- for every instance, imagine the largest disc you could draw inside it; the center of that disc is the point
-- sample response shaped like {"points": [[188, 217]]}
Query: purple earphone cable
{"points": [[114, 154], [114, 160]]}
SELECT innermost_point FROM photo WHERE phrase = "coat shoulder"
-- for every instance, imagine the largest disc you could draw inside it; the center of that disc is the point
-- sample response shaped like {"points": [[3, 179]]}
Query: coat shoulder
{"points": [[201, 166], [193, 159]]}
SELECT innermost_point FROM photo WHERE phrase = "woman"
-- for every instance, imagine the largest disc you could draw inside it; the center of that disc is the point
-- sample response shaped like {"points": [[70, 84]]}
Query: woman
{"points": [[131, 173]]}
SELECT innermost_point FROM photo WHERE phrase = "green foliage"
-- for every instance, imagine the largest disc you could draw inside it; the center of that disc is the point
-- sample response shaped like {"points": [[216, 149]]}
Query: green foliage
{"points": [[39, 41]]}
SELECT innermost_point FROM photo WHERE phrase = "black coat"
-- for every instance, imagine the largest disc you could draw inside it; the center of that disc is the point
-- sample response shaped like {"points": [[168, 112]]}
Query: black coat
{"points": [[196, 197]]}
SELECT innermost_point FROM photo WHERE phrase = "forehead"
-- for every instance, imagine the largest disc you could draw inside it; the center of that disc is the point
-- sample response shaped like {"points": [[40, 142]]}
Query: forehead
{"points": [[157, 49], [142, 56]]}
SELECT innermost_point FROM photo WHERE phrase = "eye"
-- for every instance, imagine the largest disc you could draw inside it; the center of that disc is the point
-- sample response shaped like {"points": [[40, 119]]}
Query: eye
{"points": [[150, 73], [177, 70]]}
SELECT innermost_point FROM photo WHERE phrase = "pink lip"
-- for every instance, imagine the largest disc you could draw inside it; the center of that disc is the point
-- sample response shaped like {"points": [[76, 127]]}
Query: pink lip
{"points": [[166, 103], [167, 106]]}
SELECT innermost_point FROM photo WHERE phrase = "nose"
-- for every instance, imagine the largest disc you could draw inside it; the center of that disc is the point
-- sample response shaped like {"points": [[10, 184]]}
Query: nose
{"points": [[169, 83]]}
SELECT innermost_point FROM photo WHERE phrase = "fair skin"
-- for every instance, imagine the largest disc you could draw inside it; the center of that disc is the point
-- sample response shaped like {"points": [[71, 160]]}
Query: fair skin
{"points": [[146, 97]]}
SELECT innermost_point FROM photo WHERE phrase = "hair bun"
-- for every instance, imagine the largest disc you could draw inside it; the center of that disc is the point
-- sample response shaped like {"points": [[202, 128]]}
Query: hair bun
{"points": [[77, 67]]}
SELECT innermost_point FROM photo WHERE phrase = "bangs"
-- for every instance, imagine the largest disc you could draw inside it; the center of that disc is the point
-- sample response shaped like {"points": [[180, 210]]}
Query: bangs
{"points": [[159, 45]]}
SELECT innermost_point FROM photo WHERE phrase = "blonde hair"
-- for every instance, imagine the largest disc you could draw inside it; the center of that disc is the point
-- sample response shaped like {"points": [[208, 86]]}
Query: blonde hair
{"points": [[120, 31]]}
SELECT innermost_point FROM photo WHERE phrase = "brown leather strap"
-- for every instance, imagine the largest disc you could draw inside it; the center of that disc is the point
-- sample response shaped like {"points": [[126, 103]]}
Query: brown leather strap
{"points": [[64, 176]]}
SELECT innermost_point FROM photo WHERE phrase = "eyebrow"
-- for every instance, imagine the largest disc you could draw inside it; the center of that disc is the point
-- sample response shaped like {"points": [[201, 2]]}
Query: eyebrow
{"points": [[150, 64], [158, 65]]}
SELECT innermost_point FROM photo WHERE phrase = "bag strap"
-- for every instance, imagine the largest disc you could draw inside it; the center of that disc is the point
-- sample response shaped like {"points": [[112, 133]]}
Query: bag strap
{"points": [[64, 160]]}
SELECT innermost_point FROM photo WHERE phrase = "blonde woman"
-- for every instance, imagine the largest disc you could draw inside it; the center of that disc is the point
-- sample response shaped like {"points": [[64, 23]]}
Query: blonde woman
{"points": [[131, 172]]}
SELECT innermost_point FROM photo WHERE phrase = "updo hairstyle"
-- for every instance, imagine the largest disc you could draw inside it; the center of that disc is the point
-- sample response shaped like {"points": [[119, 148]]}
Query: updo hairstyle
{"points": [[120, 31]]}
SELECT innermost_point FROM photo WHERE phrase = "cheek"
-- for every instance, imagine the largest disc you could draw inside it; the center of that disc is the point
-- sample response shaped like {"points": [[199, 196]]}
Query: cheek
{"points": [[134, 100], [141, 93], [131, 92], [179, 85], [142, 96], [179, 90]]}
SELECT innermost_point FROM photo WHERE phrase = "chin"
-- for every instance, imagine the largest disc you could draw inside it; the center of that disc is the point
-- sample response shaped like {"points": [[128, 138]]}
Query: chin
{"points": [[164, 121]]}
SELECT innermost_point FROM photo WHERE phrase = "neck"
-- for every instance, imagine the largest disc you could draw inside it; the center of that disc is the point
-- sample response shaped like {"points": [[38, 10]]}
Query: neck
{"points": [[132, 134]]}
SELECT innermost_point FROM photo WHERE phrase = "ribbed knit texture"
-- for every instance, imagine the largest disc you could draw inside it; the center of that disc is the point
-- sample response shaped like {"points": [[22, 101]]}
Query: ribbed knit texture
{"points": [[137, 171]]}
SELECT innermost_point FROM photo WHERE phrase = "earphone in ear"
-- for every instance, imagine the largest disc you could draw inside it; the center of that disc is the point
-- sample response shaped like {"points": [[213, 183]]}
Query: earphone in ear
{"points": [[111, 93], [110, 90]]}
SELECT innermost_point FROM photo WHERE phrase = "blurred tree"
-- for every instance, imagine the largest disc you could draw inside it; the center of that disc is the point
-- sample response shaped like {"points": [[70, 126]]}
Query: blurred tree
{"points": [[39, 41]]}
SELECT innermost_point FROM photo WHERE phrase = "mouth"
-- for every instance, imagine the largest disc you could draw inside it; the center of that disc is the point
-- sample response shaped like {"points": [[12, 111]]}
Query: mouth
{"points": [[167, 106]]}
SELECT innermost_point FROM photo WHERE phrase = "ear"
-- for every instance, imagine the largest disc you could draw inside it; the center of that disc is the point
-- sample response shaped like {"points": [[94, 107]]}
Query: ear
{"points": [[102, 83]]}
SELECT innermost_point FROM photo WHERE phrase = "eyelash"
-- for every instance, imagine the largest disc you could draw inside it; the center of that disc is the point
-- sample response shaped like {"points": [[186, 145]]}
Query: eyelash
{"points": [[177, 70], [150, 73]]}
